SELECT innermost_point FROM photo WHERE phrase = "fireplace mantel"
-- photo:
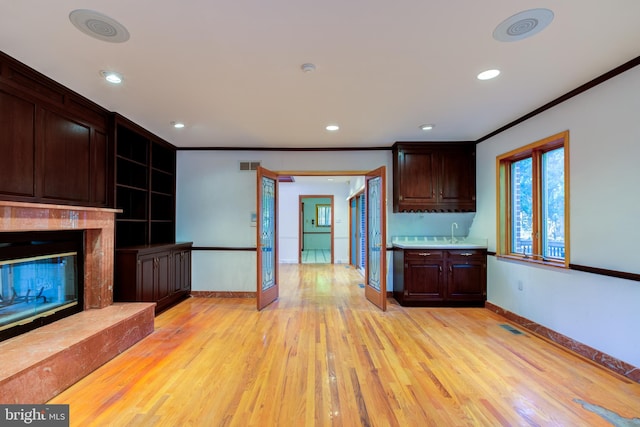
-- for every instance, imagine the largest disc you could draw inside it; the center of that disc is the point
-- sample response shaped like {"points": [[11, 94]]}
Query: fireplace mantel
{"points": [[51, 358], [99, 226]]}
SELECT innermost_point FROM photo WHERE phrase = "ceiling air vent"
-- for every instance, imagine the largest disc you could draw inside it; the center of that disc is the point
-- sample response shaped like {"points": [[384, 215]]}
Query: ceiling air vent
{"points": [[249, 166]]}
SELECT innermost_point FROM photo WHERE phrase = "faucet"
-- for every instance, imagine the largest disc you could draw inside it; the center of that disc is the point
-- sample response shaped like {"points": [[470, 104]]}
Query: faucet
{"points": [[453, 239]]}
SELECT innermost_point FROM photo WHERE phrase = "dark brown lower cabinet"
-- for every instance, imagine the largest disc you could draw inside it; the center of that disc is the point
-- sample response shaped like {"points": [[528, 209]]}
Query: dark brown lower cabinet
{"points": [[440, 277], [153, 273], [182, 269]]}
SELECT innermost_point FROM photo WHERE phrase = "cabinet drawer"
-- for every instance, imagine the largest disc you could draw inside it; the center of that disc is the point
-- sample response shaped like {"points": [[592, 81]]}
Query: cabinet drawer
{"points": [[466, 253], [423, 254]]}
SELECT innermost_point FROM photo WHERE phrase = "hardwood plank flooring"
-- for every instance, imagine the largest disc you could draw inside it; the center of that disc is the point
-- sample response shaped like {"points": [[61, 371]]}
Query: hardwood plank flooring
{"points": [[322, 355]]}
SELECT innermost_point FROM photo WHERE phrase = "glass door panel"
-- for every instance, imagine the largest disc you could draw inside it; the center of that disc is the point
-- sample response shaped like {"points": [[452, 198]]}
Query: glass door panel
{"points": [[376, 271], [266, 238]]}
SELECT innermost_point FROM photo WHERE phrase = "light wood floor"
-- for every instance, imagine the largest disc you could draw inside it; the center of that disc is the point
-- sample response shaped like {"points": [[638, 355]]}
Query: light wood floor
{"points": [[322, 355]]}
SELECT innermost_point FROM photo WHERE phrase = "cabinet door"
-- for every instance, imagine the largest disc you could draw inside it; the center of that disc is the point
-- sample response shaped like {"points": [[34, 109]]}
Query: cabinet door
{"points": [[424, 276], [147, 277], [163, 275], [416, 177], [185, 257], [457, 178], [467, 276], [67, 158], [182, 271], [17, 145], [178, 258]]}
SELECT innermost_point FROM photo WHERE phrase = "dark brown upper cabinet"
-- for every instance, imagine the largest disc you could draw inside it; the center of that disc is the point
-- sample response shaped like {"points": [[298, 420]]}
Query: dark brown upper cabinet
{"points": [[54, 143], [434, 177], [18, 146]]}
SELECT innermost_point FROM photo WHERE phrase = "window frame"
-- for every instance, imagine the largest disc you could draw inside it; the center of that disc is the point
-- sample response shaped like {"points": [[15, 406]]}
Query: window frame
{"points": [[504, 227], [328, 216]]}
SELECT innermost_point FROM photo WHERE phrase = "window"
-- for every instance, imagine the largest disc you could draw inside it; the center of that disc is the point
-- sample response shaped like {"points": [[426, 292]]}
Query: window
{"points": [[533, 190], [323, 215]]}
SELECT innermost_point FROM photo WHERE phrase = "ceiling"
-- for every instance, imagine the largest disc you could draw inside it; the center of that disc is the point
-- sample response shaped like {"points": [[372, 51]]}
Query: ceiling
{"points": [[231, 70]]}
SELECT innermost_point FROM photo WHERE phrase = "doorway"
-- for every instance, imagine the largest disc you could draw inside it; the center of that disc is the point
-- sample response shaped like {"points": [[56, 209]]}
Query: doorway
{"points": [[267, 233], [357, 237], [316, 225]]}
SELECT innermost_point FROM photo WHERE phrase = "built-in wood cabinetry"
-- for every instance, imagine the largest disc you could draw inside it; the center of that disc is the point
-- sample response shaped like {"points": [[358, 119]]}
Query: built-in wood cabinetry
{"points": [[440, 277], [54, 143], [58, 147], [434, 177], [150, 267], [153, 273], [145, 186]]}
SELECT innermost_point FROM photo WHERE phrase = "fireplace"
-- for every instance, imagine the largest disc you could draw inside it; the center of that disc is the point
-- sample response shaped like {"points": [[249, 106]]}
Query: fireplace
{"points": [[51, 358], [41, 279], [97, 224]]}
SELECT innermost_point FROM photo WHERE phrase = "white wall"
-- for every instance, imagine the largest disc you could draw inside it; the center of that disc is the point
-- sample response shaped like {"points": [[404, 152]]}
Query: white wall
{"points": [[599, 311]]}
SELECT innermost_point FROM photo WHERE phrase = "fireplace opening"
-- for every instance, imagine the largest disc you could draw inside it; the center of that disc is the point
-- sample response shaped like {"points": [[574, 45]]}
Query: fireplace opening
{"points": [[41, 279]]}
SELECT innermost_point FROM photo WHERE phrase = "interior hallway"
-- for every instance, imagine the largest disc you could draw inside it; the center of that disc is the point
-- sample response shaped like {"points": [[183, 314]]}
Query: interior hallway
{"points": [[323, 355]]}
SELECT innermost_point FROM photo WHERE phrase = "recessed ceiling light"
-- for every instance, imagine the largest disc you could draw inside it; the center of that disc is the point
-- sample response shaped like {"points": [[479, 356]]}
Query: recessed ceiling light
{"points": [[332, 128], [489, 74], [427, 127], [112, 77], [177, 125], [522, 25], [308, 67]]}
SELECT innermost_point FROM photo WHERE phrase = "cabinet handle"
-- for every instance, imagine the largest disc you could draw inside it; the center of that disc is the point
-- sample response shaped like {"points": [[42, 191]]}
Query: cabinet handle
{"points": [[424, 253], [440, 268], [451, 269], [466, 254]]}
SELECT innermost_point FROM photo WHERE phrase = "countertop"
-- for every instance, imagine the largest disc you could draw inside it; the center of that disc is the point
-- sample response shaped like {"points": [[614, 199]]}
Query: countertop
{"points": [[438, 242]]}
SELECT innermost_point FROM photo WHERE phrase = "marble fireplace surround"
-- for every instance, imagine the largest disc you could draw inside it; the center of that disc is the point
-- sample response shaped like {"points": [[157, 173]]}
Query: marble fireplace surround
{"points": [[43, 362]]}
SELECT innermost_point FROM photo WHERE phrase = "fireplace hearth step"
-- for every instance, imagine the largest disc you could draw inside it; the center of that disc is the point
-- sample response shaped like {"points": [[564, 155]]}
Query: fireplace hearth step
{"points": [[42, 363]]}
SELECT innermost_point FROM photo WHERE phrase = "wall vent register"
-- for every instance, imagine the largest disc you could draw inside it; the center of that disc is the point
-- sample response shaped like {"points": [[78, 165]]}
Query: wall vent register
{"points": [[249, 166]]}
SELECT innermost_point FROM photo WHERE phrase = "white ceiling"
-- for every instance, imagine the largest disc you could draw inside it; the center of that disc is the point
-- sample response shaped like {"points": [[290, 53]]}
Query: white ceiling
{"points": [[231, 69]]}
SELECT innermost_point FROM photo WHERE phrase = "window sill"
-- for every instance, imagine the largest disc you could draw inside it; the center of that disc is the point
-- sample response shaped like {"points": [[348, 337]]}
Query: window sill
{"points": [[535, 261]]}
